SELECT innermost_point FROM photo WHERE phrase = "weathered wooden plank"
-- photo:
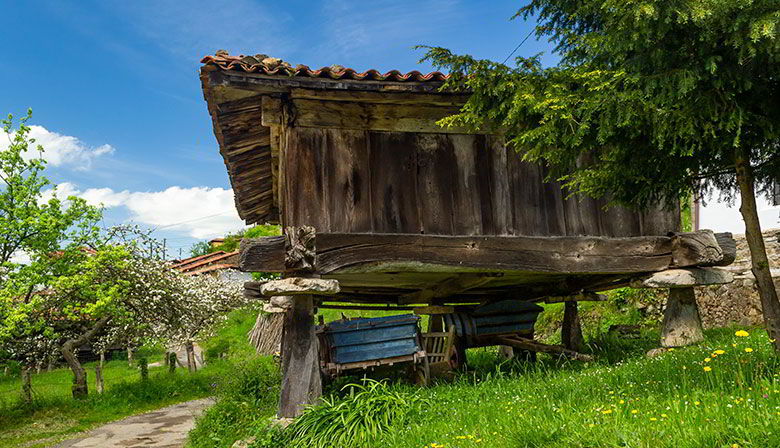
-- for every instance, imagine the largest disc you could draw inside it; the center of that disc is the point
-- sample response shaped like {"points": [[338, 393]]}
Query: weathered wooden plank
{"points": [[426, 253], [534, 346], [347, 179], [702, 248], [437, 170], [393, 182], [418, 118], [272, 111], [304, 155], [582, 296], [465, 187], [301, 384], [447, 288], [436, 99], [433, 309]]}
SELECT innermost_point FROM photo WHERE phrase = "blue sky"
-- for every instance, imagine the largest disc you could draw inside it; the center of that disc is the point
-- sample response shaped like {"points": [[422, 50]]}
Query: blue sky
{"points": [[117, 101]]}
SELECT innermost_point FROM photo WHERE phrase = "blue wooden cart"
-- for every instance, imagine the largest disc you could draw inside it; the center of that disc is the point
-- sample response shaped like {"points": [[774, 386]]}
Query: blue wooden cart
{"points": [[348, 346]]}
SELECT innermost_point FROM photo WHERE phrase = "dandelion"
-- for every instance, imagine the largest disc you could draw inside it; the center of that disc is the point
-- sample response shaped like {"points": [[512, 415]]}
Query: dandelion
{"points": [[591, 425], [719, 352], [742, 333], [634, 411], [652, 419], [748, 349], [707, 368], [664, 415], [707, 359], [608, 411], [696, 403]]}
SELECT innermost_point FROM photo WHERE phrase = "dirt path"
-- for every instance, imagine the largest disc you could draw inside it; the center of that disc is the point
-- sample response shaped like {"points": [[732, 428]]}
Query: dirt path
{"points": [[166, 427]]}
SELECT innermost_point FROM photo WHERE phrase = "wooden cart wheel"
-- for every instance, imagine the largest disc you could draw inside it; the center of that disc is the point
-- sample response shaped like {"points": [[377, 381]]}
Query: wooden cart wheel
{"points": [[457, 353], [421, 374]]}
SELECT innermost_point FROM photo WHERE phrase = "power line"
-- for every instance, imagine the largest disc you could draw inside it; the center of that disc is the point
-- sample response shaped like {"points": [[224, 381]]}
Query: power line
{"points": [[190, 220], [518, 46]]}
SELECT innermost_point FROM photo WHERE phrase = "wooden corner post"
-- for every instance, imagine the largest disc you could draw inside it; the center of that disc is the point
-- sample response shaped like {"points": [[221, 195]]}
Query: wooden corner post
{"points": [[301, 383]]}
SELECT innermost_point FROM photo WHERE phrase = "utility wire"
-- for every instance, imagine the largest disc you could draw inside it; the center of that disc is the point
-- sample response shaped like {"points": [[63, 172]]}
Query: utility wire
{"points": [[518, 46], [190, 220]]}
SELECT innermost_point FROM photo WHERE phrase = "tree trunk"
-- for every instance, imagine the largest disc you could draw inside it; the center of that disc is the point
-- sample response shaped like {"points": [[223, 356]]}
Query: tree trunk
{"points": [[129, 356], [571, 331], [50, 365], [682, 323], [770, 304], [191, 366], [99, 373], [26, 386], [79, 388], [301, 382]]}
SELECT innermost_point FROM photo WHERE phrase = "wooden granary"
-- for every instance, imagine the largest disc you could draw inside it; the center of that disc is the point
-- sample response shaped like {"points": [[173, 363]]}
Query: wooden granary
{"points": [[380, 205]]}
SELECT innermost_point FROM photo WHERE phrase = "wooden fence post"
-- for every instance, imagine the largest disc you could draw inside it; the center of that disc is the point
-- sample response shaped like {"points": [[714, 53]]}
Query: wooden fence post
{"points": [[26, 386]]}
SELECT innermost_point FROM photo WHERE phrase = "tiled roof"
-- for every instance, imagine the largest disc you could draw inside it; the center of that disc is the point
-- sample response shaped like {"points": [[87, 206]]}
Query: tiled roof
{"points": [[197, 263], [264, 64]]}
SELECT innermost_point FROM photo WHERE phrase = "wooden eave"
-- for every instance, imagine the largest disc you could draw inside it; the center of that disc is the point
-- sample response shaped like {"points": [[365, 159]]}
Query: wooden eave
{"points": [[246, 107]]}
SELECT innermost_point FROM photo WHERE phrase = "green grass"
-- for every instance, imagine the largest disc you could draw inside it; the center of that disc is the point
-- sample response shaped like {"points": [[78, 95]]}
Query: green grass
{"points": [[55, 415], [624, 400]]}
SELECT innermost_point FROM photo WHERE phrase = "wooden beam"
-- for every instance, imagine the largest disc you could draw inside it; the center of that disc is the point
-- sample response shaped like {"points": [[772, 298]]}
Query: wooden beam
{"points": [[329, 306], [702, 248], [434, 309], [416, 98], [301, 383], [684, 278], [271, 111], [373, 116], [528, 344], [583, 296], [448, 287], [363, 253]]}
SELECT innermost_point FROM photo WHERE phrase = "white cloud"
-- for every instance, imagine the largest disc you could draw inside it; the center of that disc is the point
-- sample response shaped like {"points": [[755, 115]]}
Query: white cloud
{"points": [[198, 212], [62, 150]]}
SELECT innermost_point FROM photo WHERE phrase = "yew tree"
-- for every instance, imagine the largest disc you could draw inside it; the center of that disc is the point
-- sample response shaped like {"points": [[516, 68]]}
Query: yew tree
{"points": [[651, 101]]}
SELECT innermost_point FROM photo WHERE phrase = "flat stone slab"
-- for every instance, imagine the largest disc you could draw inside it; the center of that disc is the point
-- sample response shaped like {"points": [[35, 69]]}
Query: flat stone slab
{"points": [[684, 278], [166, 427], [300, 286]]}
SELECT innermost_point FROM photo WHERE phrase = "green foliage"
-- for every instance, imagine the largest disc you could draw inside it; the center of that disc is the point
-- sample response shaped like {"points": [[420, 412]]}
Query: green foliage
{"points": [[143, 364], [669, 401], [358, 418], [54, 414], [200, 248], [649, 98], [246, 397]]}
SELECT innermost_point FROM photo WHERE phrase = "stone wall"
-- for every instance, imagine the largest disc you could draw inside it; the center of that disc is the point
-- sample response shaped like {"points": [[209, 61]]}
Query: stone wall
{"points": [[738, 303]]}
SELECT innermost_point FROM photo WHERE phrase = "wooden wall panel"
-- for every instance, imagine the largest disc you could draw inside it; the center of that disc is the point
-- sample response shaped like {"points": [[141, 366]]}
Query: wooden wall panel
{"points": [[393, 182], [448, 184], [347, 180]]}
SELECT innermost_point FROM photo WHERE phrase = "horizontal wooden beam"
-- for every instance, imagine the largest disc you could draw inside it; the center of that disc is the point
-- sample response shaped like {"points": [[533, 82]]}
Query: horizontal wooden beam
{"points": [[416, 98], [534, 346], [684, 278], [434, 309], [584, 296], [372, 116], [363, 253], [329, 306], [448, 287]]}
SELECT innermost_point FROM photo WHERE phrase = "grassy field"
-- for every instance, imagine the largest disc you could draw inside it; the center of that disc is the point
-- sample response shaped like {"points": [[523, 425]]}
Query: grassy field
{"points": [[722, 393], [55, 415]]}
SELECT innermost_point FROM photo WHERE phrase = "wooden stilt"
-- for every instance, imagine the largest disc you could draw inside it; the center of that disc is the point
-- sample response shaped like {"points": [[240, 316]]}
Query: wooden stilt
{"points": [[301, 383], [571, 331]]}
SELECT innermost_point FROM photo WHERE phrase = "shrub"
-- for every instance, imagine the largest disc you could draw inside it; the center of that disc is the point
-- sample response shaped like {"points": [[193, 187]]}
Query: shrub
{"points": [[368, 410], [247, 396]]}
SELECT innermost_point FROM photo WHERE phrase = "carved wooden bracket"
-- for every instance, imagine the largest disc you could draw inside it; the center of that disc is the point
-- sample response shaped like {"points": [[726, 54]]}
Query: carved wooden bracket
{"points": [[300, 249]]}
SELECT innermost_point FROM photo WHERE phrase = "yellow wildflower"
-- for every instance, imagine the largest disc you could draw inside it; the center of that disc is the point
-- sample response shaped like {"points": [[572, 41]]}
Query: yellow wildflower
{"points": [[707, 359], [664, 415], [719, 352], [707, 368], [742, 333], [696, 403], [748, 349], [652, 419], [608, 411], [634, 411], [622, 401]]}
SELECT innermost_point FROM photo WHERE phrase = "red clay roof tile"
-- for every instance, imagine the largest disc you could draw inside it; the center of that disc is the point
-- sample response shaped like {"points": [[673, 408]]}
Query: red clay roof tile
{"points": [[276, 67]]}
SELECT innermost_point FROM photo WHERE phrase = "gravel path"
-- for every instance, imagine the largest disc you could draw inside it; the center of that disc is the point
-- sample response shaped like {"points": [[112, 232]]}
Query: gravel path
{"points": [[166, 427]]}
